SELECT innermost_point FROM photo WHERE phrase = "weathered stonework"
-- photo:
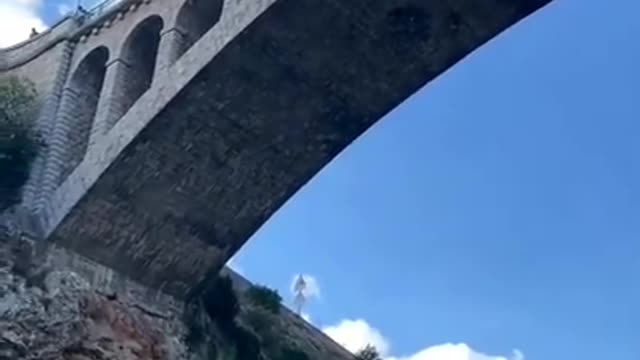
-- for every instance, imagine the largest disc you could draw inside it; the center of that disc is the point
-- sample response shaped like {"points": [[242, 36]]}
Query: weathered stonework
{"points": [[174, 129], [56, 305], [291, 326], [188, 150], [50, 98], [244, 118], [63, 308]]}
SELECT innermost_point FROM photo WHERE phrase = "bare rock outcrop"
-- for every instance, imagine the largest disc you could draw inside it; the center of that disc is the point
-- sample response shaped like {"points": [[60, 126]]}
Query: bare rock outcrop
{"points": [[56, 315]]}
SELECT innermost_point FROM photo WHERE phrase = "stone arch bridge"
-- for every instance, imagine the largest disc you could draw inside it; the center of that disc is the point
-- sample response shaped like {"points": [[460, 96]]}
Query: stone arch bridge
{"points": [[175, 128]]}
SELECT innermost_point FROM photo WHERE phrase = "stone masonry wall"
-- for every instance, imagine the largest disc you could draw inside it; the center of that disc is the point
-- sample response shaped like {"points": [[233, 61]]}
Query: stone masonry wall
{"points": [[225, 135], [300, 331], [21, 54], [48, 73], [257, 107], [38, 70]]}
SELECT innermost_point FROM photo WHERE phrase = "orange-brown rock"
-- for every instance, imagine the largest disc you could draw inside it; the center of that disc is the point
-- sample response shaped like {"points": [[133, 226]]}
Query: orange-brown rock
{"points": [[112, 331], [57, 315]]}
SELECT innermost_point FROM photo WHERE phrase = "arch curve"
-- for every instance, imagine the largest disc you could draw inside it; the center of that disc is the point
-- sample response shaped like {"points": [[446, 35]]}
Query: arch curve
{"points": [[82, 95], [139, 53], [194, 19]]}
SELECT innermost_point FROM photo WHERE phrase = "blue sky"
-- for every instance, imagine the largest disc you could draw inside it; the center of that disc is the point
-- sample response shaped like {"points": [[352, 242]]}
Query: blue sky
{"points": [[498, 208]]}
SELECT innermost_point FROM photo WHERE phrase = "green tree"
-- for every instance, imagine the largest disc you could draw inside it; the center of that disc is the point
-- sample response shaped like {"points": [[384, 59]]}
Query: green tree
{"points": [[265, 297], [369, 352], [19, 143]]}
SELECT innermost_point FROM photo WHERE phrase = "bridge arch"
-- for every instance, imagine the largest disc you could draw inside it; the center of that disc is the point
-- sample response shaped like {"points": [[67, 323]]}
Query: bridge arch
{"points": [[80, 103], [193, 20], [139, 52]]}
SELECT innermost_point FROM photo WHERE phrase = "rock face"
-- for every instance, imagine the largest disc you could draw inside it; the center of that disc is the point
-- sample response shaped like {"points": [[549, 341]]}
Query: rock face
{"points": [[290, 327], [40, 323], [55, 307], [56, 315]]}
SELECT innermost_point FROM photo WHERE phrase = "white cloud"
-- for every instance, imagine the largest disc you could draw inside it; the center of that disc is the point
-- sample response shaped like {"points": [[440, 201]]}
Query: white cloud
{"points": [[65, 9], [311, 290], [456, 352], [356, 334], [17, 18], [517, 355]]}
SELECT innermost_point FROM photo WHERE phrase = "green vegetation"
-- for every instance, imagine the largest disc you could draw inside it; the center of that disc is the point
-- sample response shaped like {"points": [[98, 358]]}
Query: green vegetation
{"points": [[264, 297], [250, 332], [19, 143], [369, 352]]}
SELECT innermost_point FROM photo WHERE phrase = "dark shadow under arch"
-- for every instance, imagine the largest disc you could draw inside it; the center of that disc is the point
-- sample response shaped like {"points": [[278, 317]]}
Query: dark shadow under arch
{"points": [[84, 90], [194, 19], [139, 53]]}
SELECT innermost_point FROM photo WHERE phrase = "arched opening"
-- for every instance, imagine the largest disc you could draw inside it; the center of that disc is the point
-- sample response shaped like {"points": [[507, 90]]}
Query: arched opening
{"points": [[194, 19], [82, 95], [139, 54]]}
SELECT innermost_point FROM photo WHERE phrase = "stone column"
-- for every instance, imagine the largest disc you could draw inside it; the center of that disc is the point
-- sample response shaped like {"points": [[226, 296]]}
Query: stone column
{"points": [[169, 49], [111, 105], [59, 145], [33, 196]]}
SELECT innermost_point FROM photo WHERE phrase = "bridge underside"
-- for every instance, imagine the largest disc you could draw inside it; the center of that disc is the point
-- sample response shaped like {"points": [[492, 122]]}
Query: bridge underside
{"points": [[266, 114]]}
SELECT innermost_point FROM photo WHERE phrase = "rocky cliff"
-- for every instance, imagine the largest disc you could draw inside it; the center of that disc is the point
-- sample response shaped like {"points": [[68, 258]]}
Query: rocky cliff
{"points": [[51, 314], [53, 311]]}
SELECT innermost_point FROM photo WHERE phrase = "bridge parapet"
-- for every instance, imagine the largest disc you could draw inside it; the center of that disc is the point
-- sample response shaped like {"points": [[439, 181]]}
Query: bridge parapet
{"points": [[69, 28]]}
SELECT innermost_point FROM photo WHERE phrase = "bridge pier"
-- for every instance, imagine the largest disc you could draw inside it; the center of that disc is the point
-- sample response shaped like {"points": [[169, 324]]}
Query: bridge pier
{"points": [[171, 43], [111, 105], [59, 145], [33, 196]]}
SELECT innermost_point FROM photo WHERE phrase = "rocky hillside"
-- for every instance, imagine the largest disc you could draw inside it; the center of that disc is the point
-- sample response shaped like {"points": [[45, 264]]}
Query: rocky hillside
{"points": [[49, 314], [290, 326], [53, 312]]}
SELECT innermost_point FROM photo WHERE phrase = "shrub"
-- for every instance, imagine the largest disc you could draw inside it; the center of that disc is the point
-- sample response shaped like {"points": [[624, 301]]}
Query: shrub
{"points": [[221, 305], [19, 143], [369, 352], [17, 99], [265, 297]]}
